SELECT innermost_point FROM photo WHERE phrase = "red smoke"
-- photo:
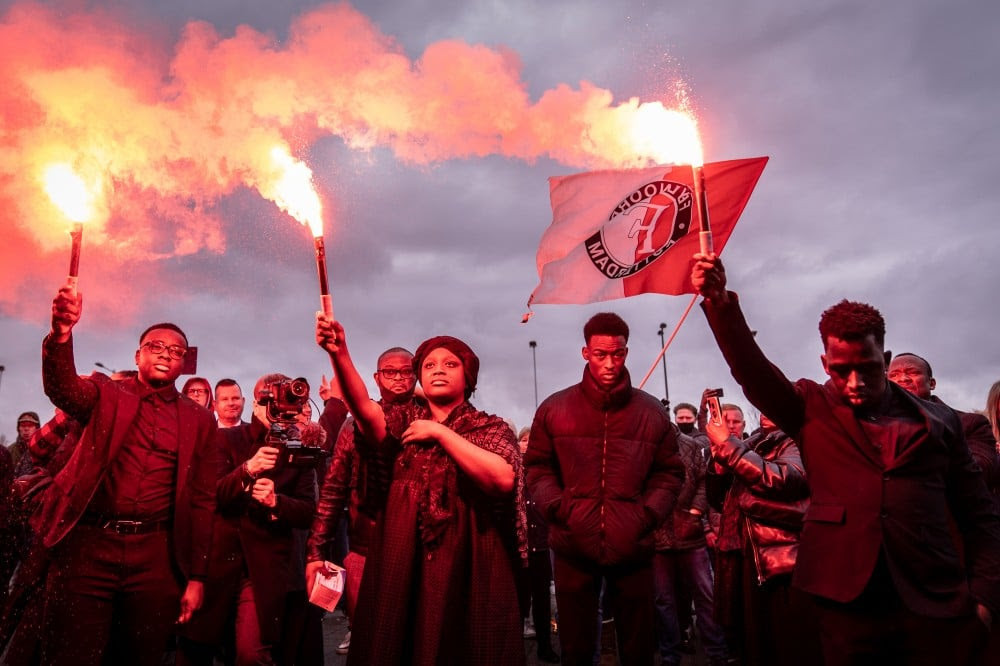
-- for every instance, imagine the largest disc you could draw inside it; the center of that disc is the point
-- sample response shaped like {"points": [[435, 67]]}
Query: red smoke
{"points": [[170, 131]]}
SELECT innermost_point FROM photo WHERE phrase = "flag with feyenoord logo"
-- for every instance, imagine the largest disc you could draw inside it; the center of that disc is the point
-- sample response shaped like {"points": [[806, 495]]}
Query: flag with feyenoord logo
{"points": [[626, 232]]}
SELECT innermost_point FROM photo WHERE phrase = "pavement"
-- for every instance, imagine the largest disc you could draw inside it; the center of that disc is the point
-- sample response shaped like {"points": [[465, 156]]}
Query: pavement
{"points": [[335, 626]]}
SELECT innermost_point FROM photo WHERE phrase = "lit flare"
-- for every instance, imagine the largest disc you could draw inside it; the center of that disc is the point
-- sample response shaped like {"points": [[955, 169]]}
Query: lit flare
{"points": [[667, 136], [294, 192], [77, 201], [69, 192], [670, 136]]}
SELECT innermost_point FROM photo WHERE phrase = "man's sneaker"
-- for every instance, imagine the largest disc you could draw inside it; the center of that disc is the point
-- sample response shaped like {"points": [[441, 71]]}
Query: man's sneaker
{"points": [[345, 644]]}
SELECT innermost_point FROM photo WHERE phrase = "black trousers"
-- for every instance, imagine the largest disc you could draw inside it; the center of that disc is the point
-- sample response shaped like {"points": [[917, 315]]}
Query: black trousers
{"points": [[109, 590], [533, 593], [877, 629], [629, 596]]}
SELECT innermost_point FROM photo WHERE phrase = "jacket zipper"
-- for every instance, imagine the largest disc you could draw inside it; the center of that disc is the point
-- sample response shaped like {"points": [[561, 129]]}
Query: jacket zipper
{"points": [[753, 549], [604, 456]]}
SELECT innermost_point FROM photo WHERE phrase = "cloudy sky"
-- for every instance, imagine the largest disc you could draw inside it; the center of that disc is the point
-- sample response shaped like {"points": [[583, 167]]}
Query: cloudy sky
{"points": [[879, 120]]}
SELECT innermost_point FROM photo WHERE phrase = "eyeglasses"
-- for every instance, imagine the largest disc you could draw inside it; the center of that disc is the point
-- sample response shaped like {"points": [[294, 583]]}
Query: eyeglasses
{"points": [[197, 391], [391, 373], [157, 347]]}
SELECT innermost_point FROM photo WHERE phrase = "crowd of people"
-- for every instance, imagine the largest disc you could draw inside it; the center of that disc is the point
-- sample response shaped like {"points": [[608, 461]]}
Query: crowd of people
{"points": [[857, 525]]}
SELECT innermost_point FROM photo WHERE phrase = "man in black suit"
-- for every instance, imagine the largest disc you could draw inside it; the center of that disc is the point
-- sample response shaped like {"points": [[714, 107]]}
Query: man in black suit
{"points": [[890, 476], [128, 520], [260, 499], [913, 373]]}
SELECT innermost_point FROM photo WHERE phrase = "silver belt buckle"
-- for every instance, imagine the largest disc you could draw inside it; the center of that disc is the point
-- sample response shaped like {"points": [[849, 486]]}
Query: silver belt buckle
{"points": [[125, 526]]}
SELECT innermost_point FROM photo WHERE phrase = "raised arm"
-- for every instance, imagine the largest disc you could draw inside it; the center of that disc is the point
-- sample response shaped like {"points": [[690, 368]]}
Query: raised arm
{"points": [[367, 413], [762, 382], [64, 387]]}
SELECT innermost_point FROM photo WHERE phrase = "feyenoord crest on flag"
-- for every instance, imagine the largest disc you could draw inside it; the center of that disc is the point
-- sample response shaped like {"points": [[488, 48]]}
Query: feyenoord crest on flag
{"points": [[633, 231], [641, 228]]}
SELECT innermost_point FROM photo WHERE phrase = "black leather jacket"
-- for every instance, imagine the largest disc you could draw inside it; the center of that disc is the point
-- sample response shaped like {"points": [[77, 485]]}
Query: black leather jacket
{"points": [[763, 484]]}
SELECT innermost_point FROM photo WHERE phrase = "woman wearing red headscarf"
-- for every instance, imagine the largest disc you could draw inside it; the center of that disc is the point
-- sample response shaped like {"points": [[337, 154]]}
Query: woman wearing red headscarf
{"points": [[439, 584]]}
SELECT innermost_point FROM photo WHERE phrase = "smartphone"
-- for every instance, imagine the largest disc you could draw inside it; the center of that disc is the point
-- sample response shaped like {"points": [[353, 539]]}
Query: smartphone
{"points": [[714, 408]]}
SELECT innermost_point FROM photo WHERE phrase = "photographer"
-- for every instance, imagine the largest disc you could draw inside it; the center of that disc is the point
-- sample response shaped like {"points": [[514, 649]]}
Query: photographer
{"points": [[261, 497]]}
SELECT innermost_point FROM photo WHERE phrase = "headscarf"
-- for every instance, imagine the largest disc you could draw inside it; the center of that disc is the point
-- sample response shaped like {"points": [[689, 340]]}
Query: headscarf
{"points": [[470, 362]]}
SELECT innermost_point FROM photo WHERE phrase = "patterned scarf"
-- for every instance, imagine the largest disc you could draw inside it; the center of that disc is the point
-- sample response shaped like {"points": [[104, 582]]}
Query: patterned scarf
{"points": [[440, 473]]}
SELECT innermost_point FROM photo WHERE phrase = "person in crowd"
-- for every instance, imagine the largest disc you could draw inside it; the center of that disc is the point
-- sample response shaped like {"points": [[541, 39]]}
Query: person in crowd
{"points": [[686, 417], [199, 390], [27, 424], [229, 403], [760, 486], [10, 530], [602, 465], [733, 417], [128, 520], [534, 581], [992, 410], [21, 621], [260, 499], [439, 579], [913, 373], [895, 493], [350, 483], [682, 570]]}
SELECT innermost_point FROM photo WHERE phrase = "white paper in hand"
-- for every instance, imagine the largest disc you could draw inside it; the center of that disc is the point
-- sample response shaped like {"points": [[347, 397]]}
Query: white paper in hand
{"points": [[328, 586]]}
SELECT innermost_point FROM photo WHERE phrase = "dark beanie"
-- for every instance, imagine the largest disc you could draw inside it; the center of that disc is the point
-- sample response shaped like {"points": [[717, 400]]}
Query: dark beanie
{"points": [[470, 362]]}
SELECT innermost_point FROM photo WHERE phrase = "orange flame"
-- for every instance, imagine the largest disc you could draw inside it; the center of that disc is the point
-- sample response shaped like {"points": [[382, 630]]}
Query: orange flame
{"points": [[69, 192], [292, 189], [669, 136]]}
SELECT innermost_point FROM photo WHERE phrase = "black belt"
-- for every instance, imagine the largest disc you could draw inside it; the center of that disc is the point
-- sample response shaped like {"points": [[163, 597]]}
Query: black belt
{"points": [[119, 526]]}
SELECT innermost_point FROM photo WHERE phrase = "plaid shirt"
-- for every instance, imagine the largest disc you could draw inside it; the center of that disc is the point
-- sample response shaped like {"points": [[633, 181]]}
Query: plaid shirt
{"points": [[47, 439]]}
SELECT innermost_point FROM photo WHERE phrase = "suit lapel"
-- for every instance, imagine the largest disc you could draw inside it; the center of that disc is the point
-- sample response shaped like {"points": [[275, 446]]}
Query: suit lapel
{"points": [[933, 426], [845, 417]]}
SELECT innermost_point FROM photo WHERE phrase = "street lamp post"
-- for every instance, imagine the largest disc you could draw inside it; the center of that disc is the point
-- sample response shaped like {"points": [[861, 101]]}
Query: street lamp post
{"points": [[666, 388], [534, 368]]}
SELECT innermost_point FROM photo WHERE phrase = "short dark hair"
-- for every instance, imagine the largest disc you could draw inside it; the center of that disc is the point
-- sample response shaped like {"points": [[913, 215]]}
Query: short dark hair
{"points": [[850, 320], [930, 373], [685, 405], [392, 351], [167, 325], [605, 323], [226, 381]]}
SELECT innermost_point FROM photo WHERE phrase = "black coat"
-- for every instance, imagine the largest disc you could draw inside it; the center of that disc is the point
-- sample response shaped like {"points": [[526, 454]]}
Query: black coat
{"points": [[603, 466], [251, 536]]}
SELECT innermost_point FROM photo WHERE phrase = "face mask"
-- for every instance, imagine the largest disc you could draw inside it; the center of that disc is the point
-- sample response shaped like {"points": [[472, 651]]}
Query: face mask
{"points": [[686, 428]]}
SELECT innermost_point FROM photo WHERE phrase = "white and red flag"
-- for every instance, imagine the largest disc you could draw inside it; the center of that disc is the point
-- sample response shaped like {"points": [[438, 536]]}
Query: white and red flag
{"points": [[626, 232]]}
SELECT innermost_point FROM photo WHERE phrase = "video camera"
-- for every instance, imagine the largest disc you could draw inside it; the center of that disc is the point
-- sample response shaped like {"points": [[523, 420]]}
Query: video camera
{"points": [[284, 400]]}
